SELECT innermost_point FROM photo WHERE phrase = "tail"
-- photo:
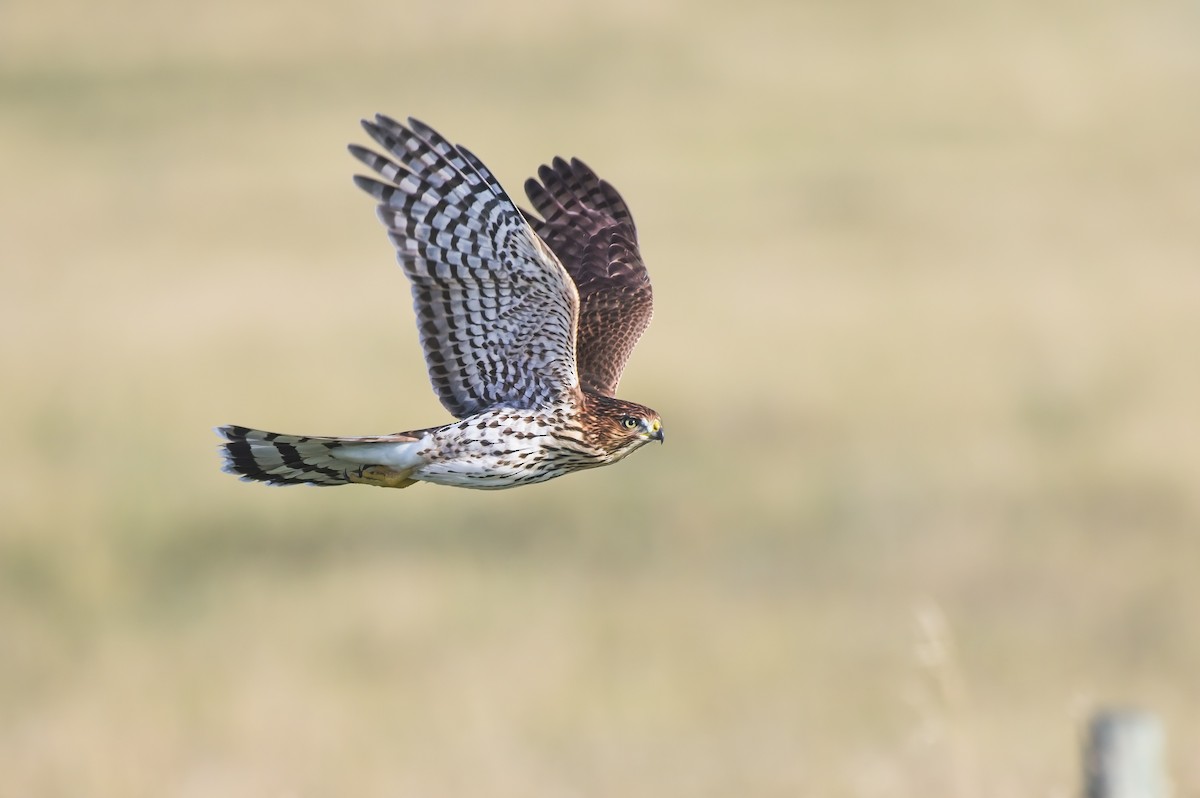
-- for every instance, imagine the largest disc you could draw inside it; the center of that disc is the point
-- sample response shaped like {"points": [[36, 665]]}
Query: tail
{"points": [[254, 455]]}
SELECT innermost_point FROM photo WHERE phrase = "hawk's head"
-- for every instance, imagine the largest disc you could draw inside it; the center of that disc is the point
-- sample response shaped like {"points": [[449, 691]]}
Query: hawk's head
{"points": [[619, 427]]}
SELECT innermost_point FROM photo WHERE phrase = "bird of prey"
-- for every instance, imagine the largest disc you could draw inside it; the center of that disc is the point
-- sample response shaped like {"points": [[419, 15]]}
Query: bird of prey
{"points": [[526, 320]]}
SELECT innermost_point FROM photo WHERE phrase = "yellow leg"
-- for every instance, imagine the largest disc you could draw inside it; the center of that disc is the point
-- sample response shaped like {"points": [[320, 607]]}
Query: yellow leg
{"points": [[381, 476]]}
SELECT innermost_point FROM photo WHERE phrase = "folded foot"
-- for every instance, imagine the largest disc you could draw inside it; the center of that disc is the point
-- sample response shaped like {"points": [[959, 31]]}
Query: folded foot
{"points": [[381, 476]]}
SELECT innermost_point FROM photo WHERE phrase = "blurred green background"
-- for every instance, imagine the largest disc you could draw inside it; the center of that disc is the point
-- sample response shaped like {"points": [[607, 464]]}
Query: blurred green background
{"points": [[928, 308]]}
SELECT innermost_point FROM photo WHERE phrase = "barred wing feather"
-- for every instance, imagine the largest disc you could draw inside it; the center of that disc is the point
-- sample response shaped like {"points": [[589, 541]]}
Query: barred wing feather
{"points": [[589, 227], [496, 311]]}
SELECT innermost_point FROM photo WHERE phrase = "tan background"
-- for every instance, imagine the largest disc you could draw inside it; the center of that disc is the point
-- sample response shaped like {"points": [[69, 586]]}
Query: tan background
{"points": [[926, 351]]}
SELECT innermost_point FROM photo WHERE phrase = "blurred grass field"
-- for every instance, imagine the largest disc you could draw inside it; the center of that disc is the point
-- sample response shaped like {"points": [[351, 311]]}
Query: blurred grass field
{"points": [[928, 305]]}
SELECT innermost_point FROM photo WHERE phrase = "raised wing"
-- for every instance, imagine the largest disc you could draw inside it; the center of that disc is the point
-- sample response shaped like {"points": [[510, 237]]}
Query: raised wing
{"points": [[496, 311], [587, 224]]}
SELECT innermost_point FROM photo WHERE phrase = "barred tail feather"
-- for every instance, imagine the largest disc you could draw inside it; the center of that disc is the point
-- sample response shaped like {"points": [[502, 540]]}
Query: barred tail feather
{"points": [[255, 455]]}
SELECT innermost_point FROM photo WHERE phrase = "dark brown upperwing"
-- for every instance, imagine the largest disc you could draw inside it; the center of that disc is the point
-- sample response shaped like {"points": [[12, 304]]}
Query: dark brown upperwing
{"points": [[587, 225]]}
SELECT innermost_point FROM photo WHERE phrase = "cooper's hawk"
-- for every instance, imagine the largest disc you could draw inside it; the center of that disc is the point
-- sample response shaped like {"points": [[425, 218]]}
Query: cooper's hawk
{"points": [[526, 323]]}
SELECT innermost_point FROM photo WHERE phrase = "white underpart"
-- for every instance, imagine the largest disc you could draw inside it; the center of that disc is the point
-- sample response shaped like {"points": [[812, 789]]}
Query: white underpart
{"points": [[461, 456], [394, 455]]}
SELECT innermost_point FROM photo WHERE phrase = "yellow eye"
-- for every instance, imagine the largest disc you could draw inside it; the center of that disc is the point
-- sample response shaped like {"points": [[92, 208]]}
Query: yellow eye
{"points": [[629, 422]]}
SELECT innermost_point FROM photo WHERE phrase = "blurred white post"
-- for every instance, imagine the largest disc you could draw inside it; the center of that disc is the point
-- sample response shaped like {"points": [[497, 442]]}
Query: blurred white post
{"points": [[1123, 756]]}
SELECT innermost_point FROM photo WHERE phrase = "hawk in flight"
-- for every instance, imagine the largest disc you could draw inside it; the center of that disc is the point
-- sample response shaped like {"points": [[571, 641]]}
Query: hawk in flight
{"points": [[526, 320]]}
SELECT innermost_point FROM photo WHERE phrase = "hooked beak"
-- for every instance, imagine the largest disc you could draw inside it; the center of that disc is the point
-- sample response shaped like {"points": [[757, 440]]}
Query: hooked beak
{"points": [[655, 432]]}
